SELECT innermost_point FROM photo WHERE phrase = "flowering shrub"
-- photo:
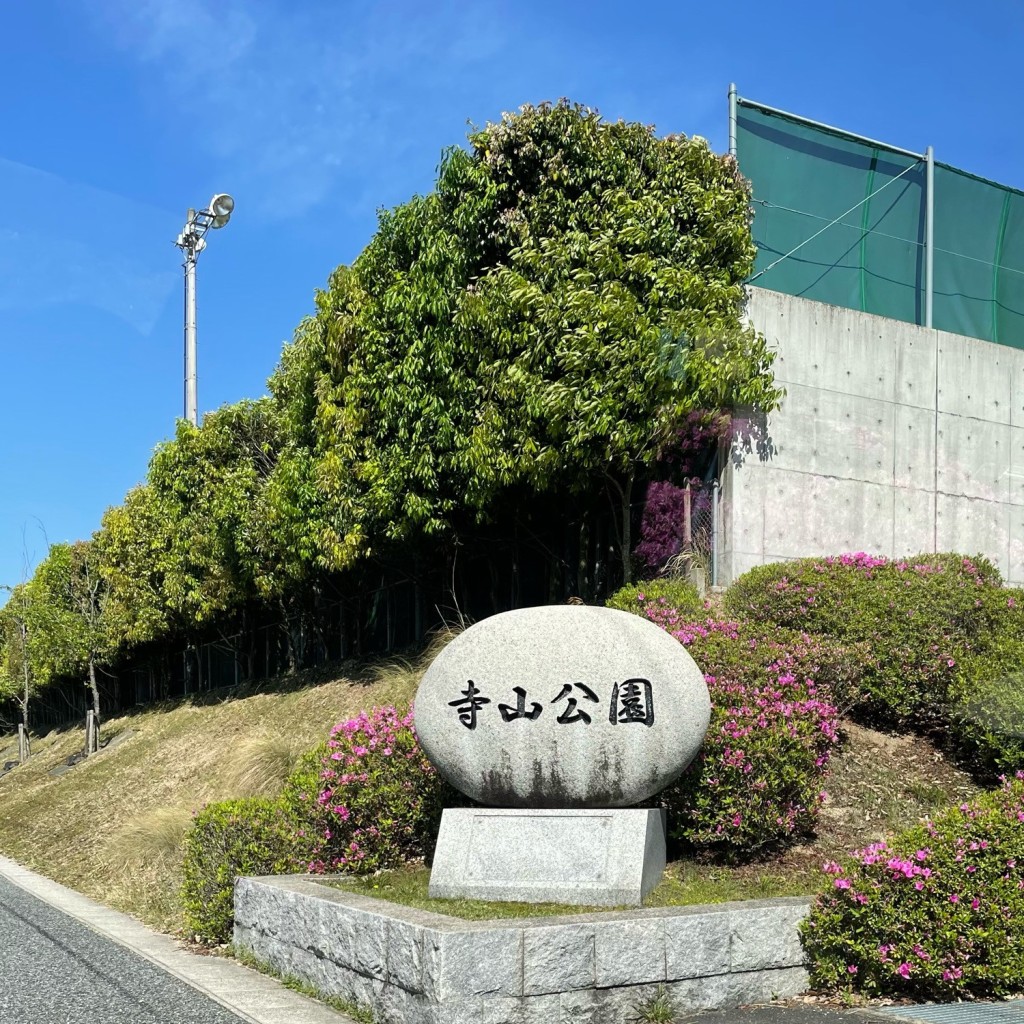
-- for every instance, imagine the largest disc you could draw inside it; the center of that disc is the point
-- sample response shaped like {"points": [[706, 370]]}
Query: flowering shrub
{"points": [[757, 779], [918, 615], [228, 839], [368, 798], [774, 695], [659, 599], [751, 652], [933, 914]]}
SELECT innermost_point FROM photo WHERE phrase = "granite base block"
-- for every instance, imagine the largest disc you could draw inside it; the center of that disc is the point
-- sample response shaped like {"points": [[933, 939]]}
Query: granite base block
{"points": [[414, 967], [601, 857]]}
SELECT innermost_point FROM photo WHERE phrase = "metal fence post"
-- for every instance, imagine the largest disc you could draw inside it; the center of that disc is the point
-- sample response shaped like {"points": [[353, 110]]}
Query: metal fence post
{"points": [[929, 235], [714, 532], [732, 119]]}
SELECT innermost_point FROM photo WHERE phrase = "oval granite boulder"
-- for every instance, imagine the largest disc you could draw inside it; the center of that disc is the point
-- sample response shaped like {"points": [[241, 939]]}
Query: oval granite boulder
{"points": [[562, 706]]}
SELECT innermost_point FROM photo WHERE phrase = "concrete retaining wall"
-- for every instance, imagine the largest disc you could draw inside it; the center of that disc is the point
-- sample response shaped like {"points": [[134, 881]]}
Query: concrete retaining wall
{"points": [[892, 439], [413, 967]]}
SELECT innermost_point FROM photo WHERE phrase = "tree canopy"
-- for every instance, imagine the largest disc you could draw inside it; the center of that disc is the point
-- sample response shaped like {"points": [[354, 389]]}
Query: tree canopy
{"points": [[545, 321]]}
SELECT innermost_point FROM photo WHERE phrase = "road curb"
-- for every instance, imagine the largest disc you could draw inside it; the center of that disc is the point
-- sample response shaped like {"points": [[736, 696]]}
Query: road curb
{"points": [[249, 995]]}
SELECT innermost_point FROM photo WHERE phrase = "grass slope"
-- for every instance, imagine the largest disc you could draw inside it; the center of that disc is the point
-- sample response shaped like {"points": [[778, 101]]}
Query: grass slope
{"points": [[111, 827]]}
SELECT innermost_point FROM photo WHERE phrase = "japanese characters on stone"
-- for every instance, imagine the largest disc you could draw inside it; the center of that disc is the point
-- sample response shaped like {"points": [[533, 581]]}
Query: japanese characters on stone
{"points": [[631, 702]]}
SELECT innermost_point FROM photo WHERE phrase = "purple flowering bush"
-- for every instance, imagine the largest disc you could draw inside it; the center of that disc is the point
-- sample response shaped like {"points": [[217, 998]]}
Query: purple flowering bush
{"points": [[757, 779], [935, 913], [661, 526], [918, 615], [368, 798]]}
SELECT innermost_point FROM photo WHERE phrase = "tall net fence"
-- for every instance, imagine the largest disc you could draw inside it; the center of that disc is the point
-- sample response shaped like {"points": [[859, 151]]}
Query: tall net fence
{"points": [[843, 220]]}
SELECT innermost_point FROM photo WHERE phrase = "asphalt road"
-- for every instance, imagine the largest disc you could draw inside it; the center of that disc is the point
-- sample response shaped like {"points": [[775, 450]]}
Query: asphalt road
{"points": [[54, 970]]}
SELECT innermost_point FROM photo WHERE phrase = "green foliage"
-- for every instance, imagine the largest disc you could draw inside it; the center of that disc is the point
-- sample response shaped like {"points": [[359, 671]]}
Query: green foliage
{"points": [[136, 558], [545, 316], [15, 655], [226, 840], [67, 625], [919, 616], [299, 797], [934, 913], [378, 800], [679, 594], [987, 723]]}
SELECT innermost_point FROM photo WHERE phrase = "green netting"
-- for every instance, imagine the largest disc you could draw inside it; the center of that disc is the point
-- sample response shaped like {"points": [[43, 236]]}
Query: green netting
{"points": [[804, 177]]}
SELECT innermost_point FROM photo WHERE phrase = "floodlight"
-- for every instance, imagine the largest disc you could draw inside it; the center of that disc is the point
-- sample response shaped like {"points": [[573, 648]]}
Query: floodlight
{"points": [[192, 241], [221, 206]]}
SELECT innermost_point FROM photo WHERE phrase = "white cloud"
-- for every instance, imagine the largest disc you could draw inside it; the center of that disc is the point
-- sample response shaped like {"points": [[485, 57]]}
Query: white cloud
{"points": [[287, 100]]}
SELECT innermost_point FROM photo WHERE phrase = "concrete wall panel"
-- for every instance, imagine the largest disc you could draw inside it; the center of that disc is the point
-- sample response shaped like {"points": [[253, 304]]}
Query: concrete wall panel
{"points": [[858, 464], [840, 350], [1015, 552], [914, 523], [813, 515], [1015, 359], [915, 368], [915, 448], [974, 456], [743, 506], [1015, 469], [974, 378], [837, 435]]}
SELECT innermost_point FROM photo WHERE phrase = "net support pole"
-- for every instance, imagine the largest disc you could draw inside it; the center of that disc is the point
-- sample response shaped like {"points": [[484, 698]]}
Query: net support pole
{"points": [[732, 120], [929, 235]]}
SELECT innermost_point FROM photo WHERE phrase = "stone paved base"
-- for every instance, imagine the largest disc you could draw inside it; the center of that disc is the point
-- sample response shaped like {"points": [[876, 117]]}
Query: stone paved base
{"points": [[414, 967]]}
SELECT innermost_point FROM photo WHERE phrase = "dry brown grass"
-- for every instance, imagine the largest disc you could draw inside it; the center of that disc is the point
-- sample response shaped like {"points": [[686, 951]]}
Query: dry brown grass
{"points": [[112, 826]]}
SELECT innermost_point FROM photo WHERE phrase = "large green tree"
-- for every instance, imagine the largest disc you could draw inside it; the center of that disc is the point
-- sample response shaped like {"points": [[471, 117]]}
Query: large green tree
{"points": [[546, 316]]}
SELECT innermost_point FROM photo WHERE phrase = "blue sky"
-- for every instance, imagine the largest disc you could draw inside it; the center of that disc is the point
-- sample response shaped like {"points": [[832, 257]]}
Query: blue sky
{"points": [[121, 114]]}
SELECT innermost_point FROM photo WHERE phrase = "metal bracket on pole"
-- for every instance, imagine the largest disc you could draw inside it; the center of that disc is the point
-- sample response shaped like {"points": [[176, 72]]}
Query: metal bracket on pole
{"points": [[929, 235], [732, 120]]}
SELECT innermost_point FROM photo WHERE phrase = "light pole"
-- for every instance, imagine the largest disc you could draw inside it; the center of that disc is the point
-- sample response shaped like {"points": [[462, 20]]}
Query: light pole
{"points": [[192, 241]]}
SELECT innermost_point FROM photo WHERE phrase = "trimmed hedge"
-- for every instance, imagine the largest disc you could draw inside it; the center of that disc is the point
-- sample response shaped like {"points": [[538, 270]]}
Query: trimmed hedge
{"points": [[227, 839], [918, 615], [987, 721], [667, 593], [935, 913]]}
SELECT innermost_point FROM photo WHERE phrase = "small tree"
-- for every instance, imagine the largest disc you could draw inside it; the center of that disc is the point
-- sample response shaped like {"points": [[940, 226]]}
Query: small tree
{"points": [[71, 633], [16, 676]]}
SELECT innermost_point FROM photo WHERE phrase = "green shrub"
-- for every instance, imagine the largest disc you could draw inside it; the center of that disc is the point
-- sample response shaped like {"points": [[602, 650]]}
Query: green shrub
{"points": [[378, 800], [299, 797], [756, 781], [933, 914], [987, 723], [234, 837], [673, 593], [919, 616]]}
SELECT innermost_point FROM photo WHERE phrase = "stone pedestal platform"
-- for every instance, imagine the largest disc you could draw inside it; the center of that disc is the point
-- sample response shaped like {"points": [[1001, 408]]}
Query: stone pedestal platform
{"points": [[588, 857]]}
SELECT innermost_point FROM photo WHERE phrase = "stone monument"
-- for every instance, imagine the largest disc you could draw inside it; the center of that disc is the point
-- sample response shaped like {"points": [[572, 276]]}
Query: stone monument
{"points": [[559, 720]]}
